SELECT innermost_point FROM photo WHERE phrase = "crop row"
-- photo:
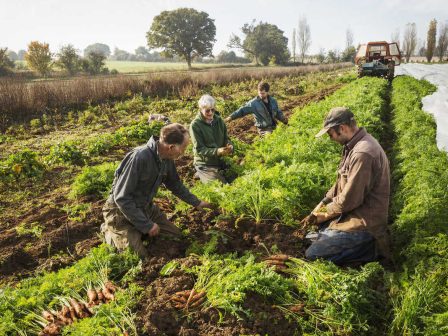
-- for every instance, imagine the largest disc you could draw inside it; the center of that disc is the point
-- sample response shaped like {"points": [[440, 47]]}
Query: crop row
{"points": [[285, 175], [289, 171], [419, 205]]}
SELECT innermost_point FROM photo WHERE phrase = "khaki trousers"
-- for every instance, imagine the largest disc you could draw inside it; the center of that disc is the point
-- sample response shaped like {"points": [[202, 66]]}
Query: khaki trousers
{"points": [[119, 232]]}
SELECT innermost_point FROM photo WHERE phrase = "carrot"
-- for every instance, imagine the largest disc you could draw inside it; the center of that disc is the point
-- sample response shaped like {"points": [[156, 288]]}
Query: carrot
{"points": [[110, 286], [297, 308], [108, 295], [274, 262], [65, 311], [183, 293], [48, 316], [77, 307], [52, 329], [179, 299], [73, 314], [197, 302], [280, 257], [87, 311], [64, 316], [101, 297], [92, 295], [198, 296], [192, 292]]}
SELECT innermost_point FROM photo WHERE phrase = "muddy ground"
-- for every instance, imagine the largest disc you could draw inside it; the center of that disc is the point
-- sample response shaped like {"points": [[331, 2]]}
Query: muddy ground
{"points": [[157, 315]]}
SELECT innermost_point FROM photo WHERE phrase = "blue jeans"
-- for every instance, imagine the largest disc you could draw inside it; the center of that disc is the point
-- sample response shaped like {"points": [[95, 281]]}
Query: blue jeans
{"points": [[341, 247]]}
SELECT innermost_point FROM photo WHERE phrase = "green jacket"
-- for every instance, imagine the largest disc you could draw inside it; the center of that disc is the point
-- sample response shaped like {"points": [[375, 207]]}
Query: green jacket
{"points": [[207, 138]]}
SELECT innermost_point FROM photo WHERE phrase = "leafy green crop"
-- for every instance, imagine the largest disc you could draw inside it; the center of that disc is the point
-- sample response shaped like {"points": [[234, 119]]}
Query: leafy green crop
{"points": [[227, 280], [19, 305], [24, 164], [288, 172], [66, 152], [94, 181], [419, 206]]}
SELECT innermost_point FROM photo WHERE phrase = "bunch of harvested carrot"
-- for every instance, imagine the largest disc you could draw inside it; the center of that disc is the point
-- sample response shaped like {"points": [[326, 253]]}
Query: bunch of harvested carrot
{"points": [[74, 310], [278, 261], [104, 295], [67, 315], [188, 299]]}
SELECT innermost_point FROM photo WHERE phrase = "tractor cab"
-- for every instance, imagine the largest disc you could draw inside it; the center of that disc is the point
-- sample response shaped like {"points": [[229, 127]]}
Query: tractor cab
{"points": [[378, 59]]}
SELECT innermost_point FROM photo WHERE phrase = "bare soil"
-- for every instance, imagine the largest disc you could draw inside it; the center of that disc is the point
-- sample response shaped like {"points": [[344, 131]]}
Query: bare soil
{"points": [[156, 314]]}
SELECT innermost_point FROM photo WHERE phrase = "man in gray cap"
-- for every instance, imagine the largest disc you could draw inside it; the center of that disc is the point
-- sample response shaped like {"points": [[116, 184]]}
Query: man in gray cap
{"points": [[352, 217]]}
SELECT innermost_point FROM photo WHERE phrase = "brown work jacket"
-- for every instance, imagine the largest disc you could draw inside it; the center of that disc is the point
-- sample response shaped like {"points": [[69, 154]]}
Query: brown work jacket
{"points": [[362, 189]]}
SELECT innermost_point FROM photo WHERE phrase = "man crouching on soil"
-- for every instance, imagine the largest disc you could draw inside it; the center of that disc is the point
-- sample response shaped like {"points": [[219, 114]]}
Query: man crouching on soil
{"points": [[353, 229], [129, 212]]}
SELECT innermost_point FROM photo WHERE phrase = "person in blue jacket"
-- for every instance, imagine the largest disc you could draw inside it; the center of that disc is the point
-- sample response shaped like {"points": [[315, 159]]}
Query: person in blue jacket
{"points": [[265, 110]]}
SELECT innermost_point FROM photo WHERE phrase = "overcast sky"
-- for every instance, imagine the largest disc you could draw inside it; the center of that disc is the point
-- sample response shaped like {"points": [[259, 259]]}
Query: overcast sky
{"points": [[124, 23]]}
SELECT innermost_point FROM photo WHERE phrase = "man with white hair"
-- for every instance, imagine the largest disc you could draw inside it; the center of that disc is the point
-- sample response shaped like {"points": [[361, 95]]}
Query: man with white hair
{"points": [[210, 142]]}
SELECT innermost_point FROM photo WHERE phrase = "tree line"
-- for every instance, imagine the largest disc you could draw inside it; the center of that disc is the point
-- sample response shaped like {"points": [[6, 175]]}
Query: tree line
{"points": [[186, 34], [435, 45]]}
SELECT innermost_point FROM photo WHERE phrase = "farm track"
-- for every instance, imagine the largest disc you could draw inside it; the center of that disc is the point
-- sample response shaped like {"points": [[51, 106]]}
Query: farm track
{"points": [[64, 241]]}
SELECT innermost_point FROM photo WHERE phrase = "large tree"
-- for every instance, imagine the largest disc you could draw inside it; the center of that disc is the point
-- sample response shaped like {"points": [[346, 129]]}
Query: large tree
{"points": [[431, 40], [142, 54], [409, 40], [38, 57], [263, 43], [443, 41], [94, 63], [68, 59], [303, 38], [184, 32], [98, 48]]}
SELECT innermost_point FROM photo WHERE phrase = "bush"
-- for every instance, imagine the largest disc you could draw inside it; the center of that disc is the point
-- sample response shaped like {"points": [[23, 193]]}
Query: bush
{"points": [[94, 181]]}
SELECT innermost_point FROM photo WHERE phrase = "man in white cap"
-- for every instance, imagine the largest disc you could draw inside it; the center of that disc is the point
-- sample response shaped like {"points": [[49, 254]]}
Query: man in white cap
{"points": [[352, 217]]}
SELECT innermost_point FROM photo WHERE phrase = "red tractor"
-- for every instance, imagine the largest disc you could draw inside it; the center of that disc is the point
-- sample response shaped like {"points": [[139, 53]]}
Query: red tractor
{"points": [[378, 59]]}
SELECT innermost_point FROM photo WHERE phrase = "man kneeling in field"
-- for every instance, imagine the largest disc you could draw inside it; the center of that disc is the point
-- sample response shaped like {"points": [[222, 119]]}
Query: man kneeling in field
{"points": [[353, 229], [129, 212]]}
